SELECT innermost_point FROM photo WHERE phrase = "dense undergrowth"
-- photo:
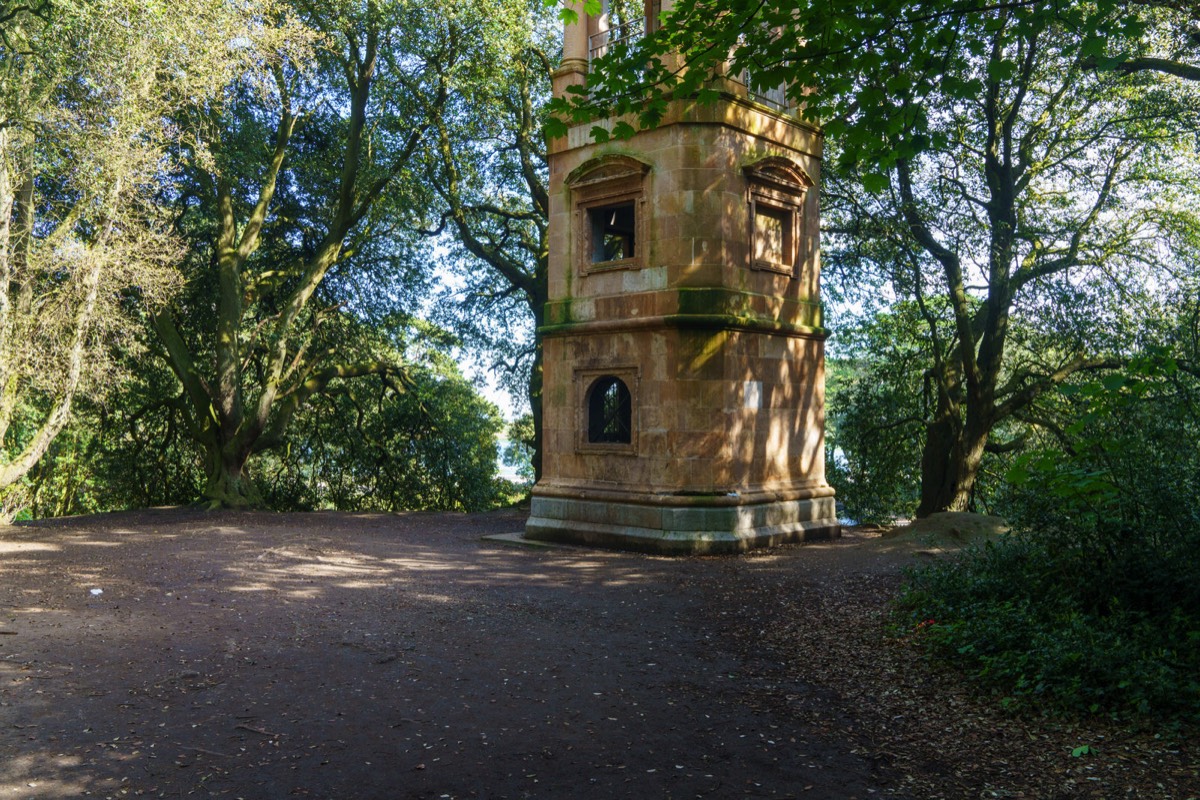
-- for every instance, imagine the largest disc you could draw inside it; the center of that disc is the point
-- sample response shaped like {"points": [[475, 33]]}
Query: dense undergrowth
{"points": [[1093, 605], [1069, 631]]}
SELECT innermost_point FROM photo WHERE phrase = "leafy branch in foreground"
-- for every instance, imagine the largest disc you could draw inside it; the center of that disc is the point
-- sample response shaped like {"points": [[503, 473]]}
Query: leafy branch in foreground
{"points": [[999, 148]]}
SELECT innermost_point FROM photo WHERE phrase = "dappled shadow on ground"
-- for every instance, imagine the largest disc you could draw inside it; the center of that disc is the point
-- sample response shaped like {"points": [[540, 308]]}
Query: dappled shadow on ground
{"points": [[181, 654], [175, 653]]}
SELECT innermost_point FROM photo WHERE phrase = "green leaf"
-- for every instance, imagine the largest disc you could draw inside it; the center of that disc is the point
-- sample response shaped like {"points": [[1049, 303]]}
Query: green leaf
{"points": [[875, 182], [1082, 750], [1001, 70], [1113, 382], [1111, 62], [600, 134], [835, 127], [1093, 46], [555, 128], [623, 131]]}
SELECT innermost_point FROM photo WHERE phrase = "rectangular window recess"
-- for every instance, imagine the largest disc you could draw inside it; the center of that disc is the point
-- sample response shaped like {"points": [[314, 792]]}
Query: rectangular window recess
{"points": [[613, 232], [772, 235]]}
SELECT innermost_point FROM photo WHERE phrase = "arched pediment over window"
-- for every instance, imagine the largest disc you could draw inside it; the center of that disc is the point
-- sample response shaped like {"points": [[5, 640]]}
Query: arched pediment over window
{"points": [[775, 192], [779, 173], [607, 168]]}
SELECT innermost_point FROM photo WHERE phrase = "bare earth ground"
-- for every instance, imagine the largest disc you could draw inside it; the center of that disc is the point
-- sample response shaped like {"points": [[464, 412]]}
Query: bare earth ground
{"points": [[401, 656]]}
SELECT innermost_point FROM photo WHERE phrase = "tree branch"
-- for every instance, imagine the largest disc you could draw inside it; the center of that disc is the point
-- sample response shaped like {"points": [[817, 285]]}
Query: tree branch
{"points": [[1022, 397], [316, 383], [1189, 72]]}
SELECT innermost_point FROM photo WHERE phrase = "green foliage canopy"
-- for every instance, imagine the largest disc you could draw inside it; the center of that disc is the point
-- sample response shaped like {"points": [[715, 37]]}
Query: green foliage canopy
{"points": [[87, 90], [867, 71], [428, 442], [303, 202]]}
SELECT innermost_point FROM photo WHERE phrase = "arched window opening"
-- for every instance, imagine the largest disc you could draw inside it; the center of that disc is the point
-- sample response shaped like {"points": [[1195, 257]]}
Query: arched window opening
{"points": [[610, 411]]}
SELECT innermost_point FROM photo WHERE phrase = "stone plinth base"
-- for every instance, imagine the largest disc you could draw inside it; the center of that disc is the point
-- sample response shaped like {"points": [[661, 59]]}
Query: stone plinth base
{"points": [[688, 528]]}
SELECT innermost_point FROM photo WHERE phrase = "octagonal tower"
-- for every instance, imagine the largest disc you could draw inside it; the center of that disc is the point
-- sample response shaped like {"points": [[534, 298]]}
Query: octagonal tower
{"points": [[683, 384]]}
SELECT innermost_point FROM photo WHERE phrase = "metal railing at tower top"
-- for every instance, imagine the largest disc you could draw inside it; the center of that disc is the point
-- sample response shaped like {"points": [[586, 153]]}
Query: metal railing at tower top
{"points": [[629, 33], [774, 97], [626, 33]]}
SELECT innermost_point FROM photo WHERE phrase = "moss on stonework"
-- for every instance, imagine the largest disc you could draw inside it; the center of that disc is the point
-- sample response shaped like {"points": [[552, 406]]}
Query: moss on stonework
{"points": [[709, 322], [558, 312], [732, 322], [710, 308], [738, 305], [562, 311], [708, 301]]}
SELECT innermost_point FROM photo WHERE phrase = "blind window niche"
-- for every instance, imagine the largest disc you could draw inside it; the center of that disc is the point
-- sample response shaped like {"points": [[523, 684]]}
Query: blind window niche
{"points": [[775, 193]]}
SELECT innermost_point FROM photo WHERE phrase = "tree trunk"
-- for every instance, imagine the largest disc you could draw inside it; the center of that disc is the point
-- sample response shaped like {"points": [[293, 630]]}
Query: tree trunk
{"points": [[949, 466], [230, 484]]}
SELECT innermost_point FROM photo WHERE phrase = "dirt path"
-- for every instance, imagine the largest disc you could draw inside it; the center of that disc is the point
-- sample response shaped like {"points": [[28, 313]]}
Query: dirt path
{"points": [[378, 656], [180, 654]]}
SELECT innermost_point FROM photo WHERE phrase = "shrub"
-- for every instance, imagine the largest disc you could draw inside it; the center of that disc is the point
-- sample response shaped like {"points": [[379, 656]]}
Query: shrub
{"points": [[1094, 605], [1017, 617]]}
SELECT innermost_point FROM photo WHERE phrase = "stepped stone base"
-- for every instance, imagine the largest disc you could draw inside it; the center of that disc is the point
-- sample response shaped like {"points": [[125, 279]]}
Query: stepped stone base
{"points": [[689, 528]]}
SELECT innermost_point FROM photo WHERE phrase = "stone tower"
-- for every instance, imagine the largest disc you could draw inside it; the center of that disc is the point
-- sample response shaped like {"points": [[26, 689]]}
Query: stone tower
{"points": [[683, 394]]}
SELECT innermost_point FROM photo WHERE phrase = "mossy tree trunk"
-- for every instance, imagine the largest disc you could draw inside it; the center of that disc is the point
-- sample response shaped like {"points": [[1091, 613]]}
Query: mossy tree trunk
{"points": [[246, 373], [976, 388]]}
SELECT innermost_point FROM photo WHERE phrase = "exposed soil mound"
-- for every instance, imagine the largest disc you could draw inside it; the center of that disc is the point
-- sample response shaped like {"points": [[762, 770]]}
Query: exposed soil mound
{"points": [[945, 532]]}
